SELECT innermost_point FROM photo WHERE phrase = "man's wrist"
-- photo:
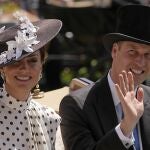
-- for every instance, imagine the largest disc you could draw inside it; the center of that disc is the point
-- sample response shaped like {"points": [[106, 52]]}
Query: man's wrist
{"points": [[126, 140]]}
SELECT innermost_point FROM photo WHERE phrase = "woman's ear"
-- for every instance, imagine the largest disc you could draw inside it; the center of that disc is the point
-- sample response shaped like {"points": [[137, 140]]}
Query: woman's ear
{"points": [[2, 74], [1, 71]]}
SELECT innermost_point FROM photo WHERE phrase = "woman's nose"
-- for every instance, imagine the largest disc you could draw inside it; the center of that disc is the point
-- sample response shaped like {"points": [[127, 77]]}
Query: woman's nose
{"points": [[23, 66]]}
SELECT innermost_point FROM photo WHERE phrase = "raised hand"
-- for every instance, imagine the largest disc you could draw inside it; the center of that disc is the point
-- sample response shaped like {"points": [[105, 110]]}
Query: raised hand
{"points": [[132, 103]]}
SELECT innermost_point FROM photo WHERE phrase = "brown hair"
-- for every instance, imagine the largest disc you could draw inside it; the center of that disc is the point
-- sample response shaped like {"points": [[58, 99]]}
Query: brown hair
{"points": [[44, 54]]}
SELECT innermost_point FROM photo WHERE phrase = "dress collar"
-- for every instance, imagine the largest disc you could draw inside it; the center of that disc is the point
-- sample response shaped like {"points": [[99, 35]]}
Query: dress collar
{"points": [[13, 103]]}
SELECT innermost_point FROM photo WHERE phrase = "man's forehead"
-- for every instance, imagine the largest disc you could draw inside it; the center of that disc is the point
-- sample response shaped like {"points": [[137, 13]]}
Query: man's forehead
{"points": [[133, 44]]}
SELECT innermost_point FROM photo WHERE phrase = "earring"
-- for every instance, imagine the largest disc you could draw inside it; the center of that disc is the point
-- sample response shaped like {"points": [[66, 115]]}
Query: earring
{"points": [[40, 76], [37, 93], [3, 76]]}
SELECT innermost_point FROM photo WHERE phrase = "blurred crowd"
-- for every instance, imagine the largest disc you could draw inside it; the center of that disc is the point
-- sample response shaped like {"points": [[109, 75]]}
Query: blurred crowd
{"points": [[7, 6], [33, 5]]}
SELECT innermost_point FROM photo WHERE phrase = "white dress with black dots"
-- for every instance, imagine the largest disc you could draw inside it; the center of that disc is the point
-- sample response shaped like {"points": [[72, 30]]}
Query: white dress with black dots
{"points": [[26, 125]]}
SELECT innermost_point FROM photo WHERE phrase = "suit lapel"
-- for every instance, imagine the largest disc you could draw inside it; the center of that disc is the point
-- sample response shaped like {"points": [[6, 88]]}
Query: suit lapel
{"points": [[105, 106], [145, 120], [100, 96]]}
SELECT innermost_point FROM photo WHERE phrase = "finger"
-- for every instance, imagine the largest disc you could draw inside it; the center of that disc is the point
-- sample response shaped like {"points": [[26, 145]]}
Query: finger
{"points": [[131, 81], [122, 84], [126, 81], [120, 94], [140, 94]]}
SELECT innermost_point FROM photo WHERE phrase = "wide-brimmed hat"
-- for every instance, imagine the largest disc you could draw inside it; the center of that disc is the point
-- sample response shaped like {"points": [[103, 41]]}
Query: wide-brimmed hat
{"points": [[133, 24], [25, 38]]}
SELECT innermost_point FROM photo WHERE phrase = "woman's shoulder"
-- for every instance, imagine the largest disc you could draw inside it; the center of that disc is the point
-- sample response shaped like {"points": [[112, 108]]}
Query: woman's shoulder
{"points": [[47, 113], [47, 117]]}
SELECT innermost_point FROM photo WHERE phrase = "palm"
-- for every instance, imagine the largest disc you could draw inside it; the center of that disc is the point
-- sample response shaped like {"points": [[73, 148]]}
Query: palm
{"points": [[132, 105], [133, 108]]}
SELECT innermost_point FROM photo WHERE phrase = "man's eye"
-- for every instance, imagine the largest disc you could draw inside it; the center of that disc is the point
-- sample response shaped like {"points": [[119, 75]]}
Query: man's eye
{"points": [[147, 56], [131, 52]]}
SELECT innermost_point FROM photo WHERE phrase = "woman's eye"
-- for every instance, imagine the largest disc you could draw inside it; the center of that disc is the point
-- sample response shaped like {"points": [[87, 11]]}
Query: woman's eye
{"points": [[16, 63], [33, 60]]}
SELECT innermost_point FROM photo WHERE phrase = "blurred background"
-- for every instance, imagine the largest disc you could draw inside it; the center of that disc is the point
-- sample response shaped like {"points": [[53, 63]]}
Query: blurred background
{"points": [[77, 51]]}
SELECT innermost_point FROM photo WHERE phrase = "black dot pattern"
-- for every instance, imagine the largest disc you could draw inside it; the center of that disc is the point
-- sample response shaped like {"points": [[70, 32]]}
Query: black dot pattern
{"points": [[26, 125]]}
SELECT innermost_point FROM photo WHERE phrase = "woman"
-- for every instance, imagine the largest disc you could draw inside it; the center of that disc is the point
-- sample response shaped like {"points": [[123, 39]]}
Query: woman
{"points": [[24, 123]]}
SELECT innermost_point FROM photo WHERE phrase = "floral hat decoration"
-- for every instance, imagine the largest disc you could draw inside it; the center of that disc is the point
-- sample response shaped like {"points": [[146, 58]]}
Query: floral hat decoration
{"points": [[25, 38]]}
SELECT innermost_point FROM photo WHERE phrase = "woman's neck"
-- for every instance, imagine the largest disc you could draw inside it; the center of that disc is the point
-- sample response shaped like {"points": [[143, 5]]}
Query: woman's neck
{"points": [[19, 94]]}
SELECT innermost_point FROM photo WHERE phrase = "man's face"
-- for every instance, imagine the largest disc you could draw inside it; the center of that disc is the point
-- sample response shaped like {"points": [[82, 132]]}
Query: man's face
{"points": [[131, 56]]}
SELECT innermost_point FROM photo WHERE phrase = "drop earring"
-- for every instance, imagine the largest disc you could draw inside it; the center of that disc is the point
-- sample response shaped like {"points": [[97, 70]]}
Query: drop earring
{"points": [[37, 93], [40, 76]]}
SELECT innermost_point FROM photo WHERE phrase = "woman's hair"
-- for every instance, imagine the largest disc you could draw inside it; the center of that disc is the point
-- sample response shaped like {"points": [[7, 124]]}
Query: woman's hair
{"points": [[44, 54]]}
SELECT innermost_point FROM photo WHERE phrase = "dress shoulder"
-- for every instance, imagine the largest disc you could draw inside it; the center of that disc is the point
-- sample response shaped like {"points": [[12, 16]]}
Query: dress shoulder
{"points": [[47, 113], [47, 118]]}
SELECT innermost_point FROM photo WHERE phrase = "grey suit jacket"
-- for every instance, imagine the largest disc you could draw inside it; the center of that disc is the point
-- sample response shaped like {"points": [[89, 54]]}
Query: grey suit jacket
{"points": [[89, 119]]}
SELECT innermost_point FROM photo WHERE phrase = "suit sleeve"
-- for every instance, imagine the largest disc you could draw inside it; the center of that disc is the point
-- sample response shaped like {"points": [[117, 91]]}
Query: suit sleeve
{"points": [[77, 133]]}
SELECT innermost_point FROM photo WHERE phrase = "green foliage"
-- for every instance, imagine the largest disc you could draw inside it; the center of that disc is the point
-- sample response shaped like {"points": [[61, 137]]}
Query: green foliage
{"points": [[93, 70], [66, 75]]}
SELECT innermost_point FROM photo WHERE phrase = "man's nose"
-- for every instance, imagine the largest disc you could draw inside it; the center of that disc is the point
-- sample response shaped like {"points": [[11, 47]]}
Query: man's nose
{"points": [[141, 60]]}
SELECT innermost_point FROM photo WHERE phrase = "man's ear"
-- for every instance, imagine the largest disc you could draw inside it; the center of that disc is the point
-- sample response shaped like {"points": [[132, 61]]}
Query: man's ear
{"points": [[114, 50]]}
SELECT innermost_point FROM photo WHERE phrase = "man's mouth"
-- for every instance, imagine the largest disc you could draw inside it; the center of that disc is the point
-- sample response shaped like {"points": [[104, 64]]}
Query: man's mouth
{"points": [[136, 71]]}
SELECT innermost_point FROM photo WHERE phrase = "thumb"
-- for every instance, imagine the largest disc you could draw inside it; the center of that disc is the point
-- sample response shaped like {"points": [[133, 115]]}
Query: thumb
{"points": [[140, 94]]}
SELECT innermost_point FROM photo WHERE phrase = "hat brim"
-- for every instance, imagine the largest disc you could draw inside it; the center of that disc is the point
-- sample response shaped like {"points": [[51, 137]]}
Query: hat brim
{"points": [[111, 38], [48, 29]]}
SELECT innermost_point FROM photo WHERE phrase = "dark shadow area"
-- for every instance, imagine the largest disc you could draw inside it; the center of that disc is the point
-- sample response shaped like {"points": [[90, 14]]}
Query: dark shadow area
{"points": [[78, 50], [79, 42]]}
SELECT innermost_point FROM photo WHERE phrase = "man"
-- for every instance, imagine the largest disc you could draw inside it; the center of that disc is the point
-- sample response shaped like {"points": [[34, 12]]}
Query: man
{"points": [[90, 116]]}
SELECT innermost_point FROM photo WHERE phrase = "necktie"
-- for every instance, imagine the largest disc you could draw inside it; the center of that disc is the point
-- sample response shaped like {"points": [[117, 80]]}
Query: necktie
{"points": [[135, 132], [136, 137], [119, 112]]}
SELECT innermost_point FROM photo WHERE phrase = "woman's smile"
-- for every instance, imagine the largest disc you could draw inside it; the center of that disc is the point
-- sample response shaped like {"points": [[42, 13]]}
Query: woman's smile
{"points": [[23, 78]]}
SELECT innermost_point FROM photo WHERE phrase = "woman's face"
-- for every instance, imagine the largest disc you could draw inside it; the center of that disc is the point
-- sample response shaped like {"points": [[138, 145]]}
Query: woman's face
{"points": [[24, 74]]}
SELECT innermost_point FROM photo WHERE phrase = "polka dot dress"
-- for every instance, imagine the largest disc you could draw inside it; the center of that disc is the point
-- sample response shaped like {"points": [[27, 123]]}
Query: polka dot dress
{"points": [[26, 125]]}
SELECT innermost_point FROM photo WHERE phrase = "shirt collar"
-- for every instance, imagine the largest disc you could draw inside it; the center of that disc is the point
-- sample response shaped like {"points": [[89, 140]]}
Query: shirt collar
{"points": [[113, 90]]}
